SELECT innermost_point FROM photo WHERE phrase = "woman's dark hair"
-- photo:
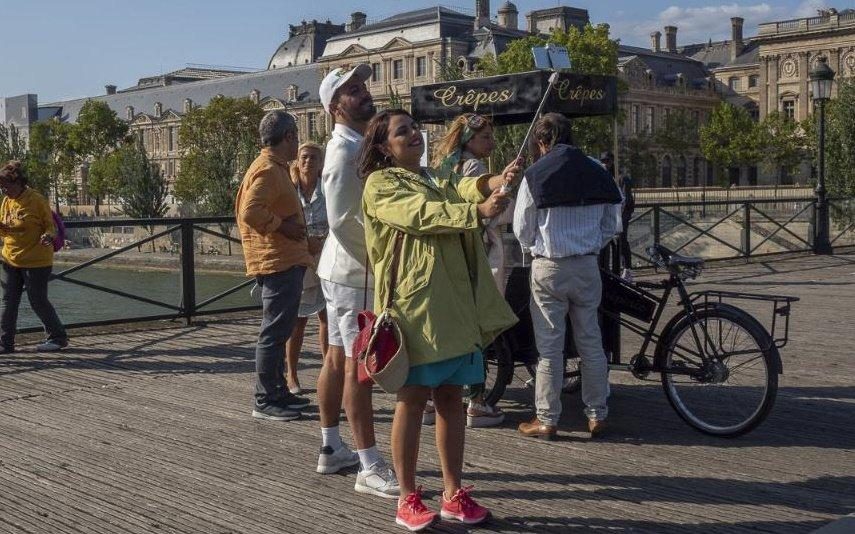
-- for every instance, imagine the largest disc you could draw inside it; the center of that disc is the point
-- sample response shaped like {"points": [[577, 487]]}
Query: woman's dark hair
{"points": [[370, 157], [13, 171], [551, 129]]}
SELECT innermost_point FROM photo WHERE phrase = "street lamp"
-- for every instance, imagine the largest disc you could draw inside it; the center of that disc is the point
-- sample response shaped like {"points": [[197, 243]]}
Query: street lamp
{"points": [[821, 79]]}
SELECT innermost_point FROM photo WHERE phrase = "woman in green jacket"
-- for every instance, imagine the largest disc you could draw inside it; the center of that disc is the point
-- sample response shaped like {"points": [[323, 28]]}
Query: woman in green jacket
{"points": [[446, 302]]}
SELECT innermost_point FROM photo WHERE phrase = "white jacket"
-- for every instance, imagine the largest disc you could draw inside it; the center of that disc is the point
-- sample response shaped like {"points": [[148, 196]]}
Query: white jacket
{"points": [[343, 257]]}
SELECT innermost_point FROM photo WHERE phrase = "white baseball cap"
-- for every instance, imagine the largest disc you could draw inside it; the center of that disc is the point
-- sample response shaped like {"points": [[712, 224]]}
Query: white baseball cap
{"points": [[339, 77]]}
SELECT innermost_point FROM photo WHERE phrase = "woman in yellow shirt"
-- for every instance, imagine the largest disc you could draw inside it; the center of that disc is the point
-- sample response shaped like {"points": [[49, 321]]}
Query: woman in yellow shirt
{"points": [[27, 229]]}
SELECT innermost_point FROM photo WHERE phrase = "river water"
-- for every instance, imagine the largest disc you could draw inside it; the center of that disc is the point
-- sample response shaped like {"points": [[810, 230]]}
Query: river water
{"points": [[76, 304]]}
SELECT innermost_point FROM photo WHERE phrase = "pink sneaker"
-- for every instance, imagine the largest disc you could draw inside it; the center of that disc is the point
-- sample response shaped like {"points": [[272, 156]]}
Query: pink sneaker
{"points": [[412, 514], [463, 508]]}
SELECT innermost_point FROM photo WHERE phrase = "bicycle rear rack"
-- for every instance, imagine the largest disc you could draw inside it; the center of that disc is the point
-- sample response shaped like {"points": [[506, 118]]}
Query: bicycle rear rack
{"points": [[780, 307]]}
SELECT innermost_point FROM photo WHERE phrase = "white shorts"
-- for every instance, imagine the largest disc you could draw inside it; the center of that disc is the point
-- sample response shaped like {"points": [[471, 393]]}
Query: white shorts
{"points": [[343, 306]]}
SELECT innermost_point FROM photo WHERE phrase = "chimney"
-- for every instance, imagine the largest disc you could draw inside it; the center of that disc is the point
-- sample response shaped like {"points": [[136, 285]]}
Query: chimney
{"points": [[111, 89], [482, 13], [656, 41], [736, 44], [509, 16], [357, 20], [671, 39]]}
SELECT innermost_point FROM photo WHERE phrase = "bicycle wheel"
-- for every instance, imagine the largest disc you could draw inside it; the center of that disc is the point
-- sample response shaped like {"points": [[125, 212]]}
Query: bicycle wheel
{"points": [[572, 378], [499, 363], [733, 392]]}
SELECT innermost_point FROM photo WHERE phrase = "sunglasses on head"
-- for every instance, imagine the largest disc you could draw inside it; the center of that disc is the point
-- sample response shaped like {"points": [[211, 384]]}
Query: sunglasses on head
{"points": [[475, 122]]}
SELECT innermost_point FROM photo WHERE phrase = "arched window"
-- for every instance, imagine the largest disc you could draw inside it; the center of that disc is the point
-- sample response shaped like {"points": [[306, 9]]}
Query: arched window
{"points": [[681, 172], [666, 171], [697, 179]]}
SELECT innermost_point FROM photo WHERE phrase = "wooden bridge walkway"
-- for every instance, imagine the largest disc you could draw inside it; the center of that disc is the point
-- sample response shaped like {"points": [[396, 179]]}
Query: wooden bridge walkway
{"points": [[149, 430]]}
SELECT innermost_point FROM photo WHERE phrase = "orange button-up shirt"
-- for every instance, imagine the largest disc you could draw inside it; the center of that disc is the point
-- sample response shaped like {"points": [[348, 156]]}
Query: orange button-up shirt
{"points": [[266, 197]]}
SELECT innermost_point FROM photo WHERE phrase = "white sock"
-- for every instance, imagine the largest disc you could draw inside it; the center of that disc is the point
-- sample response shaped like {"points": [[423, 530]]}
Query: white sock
{"points": [[331, 437], [369, 456]]}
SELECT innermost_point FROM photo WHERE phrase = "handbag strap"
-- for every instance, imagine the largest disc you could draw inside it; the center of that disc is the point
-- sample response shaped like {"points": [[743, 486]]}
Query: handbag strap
{"points": [[396, 257], [393, 279]]}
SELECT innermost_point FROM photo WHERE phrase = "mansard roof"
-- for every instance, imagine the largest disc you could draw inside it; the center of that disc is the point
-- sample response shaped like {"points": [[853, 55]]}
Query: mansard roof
{"points": [[717, 54], [665, 65], [274, 83], [409, 18]]}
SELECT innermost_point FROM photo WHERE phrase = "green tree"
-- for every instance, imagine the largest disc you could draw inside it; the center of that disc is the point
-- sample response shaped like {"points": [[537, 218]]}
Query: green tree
{"points": [[840, 141], [730, 138], [639, 161], [143, 189], [97, 132], [782, 142], [591, 52], [52, 159], [12, 145], [219, 141]]}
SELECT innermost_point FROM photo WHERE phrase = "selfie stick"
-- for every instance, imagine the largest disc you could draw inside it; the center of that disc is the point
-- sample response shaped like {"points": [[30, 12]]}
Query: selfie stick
{"points": [[552, 79]]}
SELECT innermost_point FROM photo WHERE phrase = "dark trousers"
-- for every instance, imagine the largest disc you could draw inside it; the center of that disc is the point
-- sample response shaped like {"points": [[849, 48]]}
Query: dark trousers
{"points": [[280, 300], [14, 280]]}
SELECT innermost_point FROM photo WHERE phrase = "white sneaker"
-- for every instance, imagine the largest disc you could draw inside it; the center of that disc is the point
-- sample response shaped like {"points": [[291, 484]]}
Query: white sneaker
{"points": [[51, 346], [429, 415], [332, 461], [483, 415], [379, 480]]}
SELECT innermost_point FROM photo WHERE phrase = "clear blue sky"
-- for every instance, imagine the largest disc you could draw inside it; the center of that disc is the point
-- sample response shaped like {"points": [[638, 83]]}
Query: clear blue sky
{"points": [[61, 49]]}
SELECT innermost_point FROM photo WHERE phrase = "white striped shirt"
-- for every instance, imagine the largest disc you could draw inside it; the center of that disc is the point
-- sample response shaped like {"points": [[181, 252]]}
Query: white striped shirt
{"points": [[564, 230]]}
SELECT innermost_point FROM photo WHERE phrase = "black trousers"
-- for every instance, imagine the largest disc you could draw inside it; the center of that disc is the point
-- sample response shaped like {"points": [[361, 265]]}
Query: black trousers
{"points": [[13, 281]]}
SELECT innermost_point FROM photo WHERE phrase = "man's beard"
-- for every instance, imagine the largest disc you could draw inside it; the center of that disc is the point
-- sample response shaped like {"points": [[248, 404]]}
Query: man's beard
{"points": [[364, 113]]}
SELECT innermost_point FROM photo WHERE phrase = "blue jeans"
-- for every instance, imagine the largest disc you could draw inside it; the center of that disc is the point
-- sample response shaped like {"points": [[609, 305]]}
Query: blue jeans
{"points": [[280, 300]]}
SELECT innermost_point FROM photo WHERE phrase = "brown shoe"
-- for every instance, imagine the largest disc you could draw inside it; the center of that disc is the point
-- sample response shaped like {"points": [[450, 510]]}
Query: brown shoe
{"points": [[596, 428], [536, 429]]}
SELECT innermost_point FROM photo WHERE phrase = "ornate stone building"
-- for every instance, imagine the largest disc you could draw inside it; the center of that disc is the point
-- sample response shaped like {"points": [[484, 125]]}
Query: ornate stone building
{"points": [[763, 73], [770, 72]]}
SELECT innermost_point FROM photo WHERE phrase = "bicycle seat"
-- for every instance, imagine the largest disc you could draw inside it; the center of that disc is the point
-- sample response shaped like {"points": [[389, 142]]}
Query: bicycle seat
{"points": [[672, 259], [677, 260]]}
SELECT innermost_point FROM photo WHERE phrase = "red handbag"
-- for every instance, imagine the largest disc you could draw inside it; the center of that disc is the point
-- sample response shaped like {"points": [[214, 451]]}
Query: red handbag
{"points": [[379, 347]]}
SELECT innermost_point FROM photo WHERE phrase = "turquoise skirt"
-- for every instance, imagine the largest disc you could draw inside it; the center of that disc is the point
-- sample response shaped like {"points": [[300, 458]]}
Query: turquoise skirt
{"points": [[460, 371]]}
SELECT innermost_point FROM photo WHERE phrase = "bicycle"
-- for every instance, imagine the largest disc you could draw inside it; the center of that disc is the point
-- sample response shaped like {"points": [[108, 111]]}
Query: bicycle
{"points": [[717, 363]]}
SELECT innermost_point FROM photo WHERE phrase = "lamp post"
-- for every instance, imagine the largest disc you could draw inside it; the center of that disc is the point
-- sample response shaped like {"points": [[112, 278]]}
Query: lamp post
{"points": [[821, 79]]}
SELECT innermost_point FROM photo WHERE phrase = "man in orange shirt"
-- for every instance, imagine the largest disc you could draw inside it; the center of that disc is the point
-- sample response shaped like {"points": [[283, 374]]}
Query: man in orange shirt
{"points": [[277, 252]]}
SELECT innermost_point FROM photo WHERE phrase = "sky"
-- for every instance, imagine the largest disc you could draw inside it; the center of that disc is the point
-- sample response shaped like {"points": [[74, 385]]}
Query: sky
{"points": [[63, 49]]}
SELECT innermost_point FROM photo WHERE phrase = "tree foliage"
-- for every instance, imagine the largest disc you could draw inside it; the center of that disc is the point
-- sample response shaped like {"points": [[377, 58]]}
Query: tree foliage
{"points": [[591, 52], [12, 145], [142, 190], [840, 141], [52, 159], [219, 141], [640, 162], [679, 134], [782, 142], [97, 132], [730, 138]]}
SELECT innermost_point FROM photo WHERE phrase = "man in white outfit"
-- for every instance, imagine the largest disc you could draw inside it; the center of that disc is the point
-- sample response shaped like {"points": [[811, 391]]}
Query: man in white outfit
{"points": [[347, 287]]}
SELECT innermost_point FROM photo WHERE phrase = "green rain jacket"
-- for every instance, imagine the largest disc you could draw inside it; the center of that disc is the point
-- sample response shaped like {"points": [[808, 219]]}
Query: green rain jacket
{"points": [[446, 301]]}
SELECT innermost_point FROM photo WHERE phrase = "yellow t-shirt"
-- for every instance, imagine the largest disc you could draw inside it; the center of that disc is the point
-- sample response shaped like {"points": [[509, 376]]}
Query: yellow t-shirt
{"points": [[28, 217]]}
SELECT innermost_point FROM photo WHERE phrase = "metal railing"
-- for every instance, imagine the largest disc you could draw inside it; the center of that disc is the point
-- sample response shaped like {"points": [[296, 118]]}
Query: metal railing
{"points": [[737, 229], [183, 252], [169, 246]]}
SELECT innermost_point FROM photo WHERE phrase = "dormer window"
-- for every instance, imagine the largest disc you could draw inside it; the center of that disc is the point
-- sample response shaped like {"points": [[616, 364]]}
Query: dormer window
{"points": [[292, 93]]}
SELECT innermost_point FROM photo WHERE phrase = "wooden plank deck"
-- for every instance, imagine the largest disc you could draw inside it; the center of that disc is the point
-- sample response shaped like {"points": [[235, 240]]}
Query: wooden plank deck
{"points": [[149, 431]]}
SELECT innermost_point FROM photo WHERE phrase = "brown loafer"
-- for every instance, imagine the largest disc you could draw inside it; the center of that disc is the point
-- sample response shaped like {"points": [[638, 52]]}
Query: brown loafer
{"points": [[596, 428], [536, 429]]}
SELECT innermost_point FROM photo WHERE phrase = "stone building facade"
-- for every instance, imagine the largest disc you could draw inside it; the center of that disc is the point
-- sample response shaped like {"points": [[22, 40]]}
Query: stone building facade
{"points": [[762, 73]]}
